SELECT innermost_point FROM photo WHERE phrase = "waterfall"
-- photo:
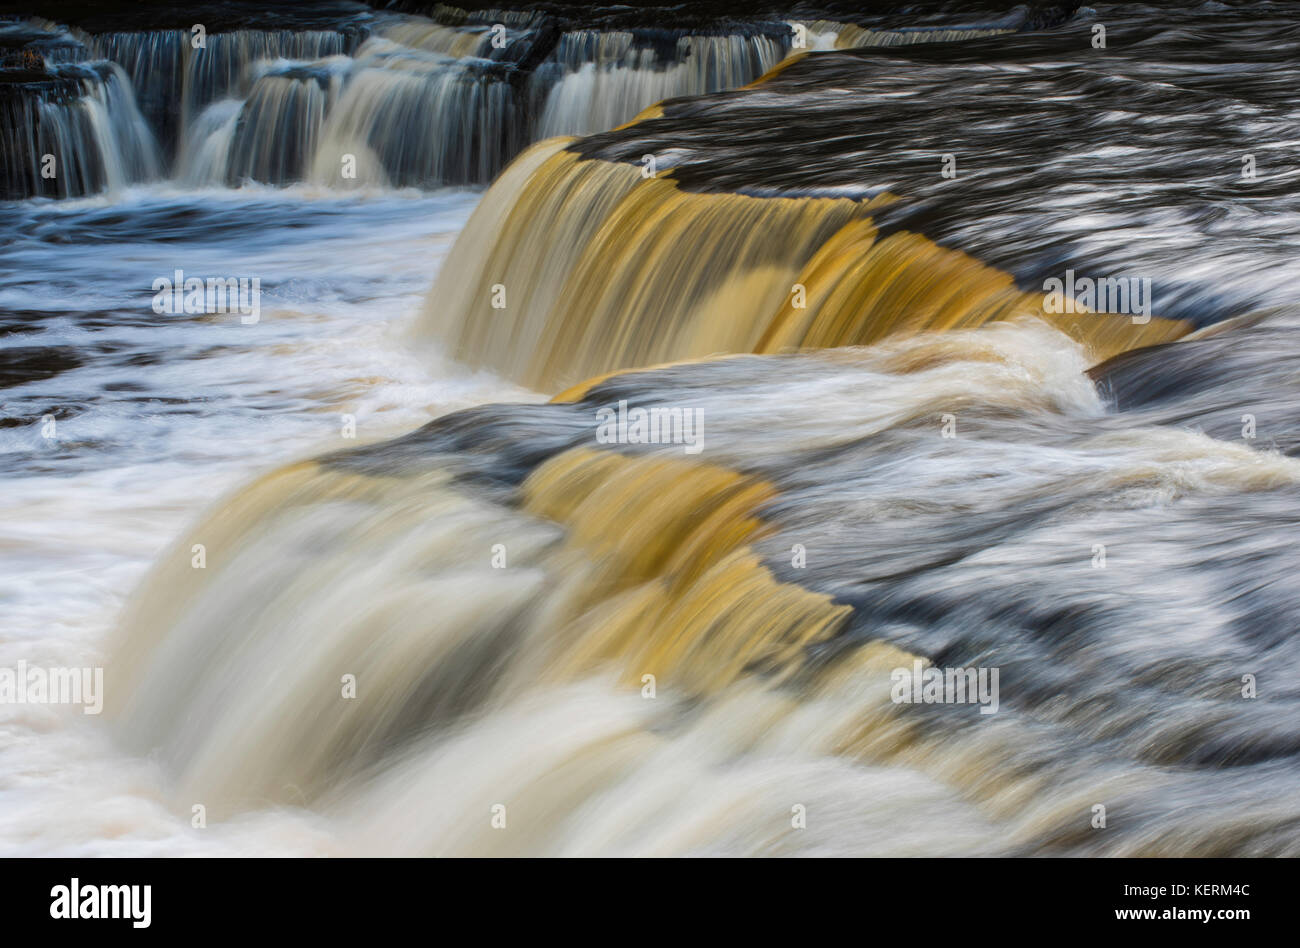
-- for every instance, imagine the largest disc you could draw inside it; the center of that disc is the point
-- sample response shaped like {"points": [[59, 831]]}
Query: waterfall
{"points": [[206, 157], [414, 102], [754, 404], [175, 80], [279, 124], [155, 62], [74, 131], [393, 100], [505, 594], [597, 80], [225, 67], [420, 119], [604, 268]]}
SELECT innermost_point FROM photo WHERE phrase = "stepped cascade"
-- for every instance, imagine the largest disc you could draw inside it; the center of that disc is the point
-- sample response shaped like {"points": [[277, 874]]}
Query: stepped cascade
{"points": [[837, 429]]}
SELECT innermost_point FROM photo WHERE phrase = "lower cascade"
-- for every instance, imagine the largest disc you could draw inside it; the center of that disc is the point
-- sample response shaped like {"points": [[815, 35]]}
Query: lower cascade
{"points": [[580, 631]]}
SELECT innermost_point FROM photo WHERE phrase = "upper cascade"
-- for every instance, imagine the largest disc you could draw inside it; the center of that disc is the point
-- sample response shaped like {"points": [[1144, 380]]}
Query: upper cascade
{"points": [[348, 96], [971, 184]]}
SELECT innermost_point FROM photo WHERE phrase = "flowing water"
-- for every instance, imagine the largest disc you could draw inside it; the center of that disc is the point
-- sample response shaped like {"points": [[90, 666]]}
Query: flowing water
{"points": [[156, 415], [393, 563]]}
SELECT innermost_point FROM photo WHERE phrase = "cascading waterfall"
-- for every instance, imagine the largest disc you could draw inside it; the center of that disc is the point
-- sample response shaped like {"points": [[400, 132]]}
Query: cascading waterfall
{"points": [[413, 101], [229, 61], [813, 419], [155, 61], [500, 567], [112, 106], [205, 157], [83, 116], [418, 103], [175, 81], [603, 268], [594, 81], [275, 135], [413, 118]]}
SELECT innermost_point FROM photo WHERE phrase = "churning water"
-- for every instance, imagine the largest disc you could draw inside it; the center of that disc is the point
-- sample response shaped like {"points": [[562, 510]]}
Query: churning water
{"points": [[153, 416], [607, 510]]}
